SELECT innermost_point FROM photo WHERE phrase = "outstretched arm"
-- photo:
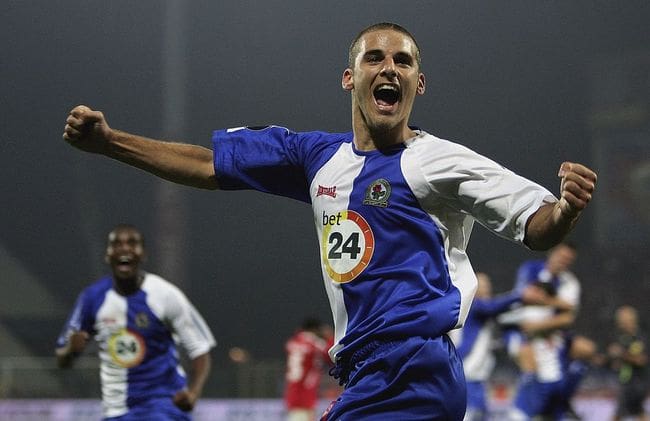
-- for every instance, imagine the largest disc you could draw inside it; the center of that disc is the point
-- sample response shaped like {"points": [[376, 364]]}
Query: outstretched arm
{"points": [[181, 163], [552, 222], [562, 320]]}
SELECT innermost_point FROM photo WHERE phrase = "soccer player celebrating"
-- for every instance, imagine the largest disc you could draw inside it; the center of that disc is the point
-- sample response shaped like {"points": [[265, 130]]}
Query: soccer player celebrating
{"points": [[135, 317], [393, 206]]}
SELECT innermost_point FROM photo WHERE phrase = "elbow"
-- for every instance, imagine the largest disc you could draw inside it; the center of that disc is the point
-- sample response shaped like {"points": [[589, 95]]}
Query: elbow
{"points": [[205, 359], [205, 177], [211, 183], [538, 245]]}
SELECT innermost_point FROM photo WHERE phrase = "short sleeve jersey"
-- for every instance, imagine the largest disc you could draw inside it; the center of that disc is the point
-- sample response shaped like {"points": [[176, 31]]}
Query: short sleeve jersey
{"points": [[137, 337], [393, 225]]}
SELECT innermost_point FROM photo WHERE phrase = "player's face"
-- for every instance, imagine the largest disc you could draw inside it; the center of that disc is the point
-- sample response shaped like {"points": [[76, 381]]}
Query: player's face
{"points": [[384, 79], [561, 258], [124, 252], [626, 319]]}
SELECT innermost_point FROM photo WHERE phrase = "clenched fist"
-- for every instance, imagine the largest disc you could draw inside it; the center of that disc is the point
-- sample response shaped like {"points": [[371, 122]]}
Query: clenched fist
{"points": [[87, 130], [577, 187]]}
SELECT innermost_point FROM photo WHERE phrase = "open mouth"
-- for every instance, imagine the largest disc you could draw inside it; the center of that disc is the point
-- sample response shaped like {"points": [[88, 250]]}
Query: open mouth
{"points": [[386, 95], [124, 262]]}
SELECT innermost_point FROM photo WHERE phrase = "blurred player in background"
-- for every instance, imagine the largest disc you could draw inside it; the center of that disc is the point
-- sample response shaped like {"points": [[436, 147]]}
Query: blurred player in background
{"points": [[551, 358], [553, 275], [475, 340], [307, 358], [136, 318], [393, 206], [629, 357]]}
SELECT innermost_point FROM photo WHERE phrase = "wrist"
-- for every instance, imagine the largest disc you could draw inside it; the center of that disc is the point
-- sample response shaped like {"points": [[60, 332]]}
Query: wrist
{"points": [[565, 212], [113, 141], [193, 393]]}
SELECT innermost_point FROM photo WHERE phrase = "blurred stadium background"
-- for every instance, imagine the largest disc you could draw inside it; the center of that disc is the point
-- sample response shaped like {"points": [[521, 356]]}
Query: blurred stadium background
{"points": [[527, 83]]}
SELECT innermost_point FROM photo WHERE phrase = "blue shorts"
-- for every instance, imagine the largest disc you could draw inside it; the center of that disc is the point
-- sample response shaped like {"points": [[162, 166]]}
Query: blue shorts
{"points": [[536, 398], [159, 409], [413, 379]]}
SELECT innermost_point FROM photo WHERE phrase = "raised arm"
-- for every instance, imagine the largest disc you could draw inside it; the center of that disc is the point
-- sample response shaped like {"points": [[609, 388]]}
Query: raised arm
{"points": [[181, 163], [552, 222]]}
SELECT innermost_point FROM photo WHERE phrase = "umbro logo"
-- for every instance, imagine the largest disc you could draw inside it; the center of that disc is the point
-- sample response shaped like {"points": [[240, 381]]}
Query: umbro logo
{"points": [[327, 191]]}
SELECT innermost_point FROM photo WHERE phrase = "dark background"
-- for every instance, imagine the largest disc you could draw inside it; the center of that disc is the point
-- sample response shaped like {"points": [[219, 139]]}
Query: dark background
{"points": [[513, 80]]}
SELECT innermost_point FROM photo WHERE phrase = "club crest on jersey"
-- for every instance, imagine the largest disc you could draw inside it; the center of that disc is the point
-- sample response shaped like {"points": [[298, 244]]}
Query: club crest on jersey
{"points": [[142, 320], [327, 191], [377, 193]]}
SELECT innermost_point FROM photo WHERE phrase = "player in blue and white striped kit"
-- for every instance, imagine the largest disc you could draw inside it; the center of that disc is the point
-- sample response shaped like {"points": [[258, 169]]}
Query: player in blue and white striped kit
{"points": [[137, 318], [475, 340], [393, 207], [552, 359]]}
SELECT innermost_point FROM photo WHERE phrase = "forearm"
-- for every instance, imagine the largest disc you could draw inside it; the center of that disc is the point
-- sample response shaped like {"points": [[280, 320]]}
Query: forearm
{"points": [[559, 321], [552, 222], [75, 344], [177, 162], [559, 304], [200, 370], [495, 306], [548, 226]]}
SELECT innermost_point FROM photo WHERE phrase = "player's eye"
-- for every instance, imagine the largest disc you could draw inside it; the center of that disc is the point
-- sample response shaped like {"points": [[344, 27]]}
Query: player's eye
{"points": [[373, 57], [403, 59]]}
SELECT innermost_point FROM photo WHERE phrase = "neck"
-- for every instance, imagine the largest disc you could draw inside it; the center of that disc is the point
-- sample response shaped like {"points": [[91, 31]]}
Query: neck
{"points": [[128, 286], [368, 138]]}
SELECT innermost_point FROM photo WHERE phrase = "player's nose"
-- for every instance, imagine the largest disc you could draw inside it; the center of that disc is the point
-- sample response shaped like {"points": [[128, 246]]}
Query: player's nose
{"points": [[388, 68]]}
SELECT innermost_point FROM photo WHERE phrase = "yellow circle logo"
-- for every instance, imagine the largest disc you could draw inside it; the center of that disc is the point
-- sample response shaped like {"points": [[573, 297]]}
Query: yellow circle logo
{"points": [[126, 348], [347, 245]]}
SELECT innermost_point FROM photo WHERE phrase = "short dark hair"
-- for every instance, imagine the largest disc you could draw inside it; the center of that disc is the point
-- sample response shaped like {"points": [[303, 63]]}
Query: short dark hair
{"points": [[354, 46]]}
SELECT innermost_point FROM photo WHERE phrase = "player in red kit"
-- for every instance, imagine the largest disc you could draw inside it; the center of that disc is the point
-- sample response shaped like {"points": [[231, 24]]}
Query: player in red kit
{"points": [[306, 357]]}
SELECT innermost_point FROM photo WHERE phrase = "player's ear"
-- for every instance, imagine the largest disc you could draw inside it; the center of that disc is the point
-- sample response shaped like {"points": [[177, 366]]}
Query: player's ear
{"points": [[347, 81], [421, 84]]}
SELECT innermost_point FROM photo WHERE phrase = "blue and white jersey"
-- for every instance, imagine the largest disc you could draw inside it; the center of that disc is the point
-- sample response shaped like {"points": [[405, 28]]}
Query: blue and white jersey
{"points": [[393, 225], [564, 285], [137, 337], [474, 340], [549, 349]]}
